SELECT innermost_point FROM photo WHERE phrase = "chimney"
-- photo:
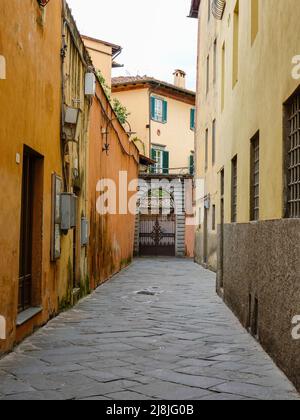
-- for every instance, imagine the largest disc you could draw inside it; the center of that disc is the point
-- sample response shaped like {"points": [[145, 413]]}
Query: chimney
{"points": [[179, 78]]}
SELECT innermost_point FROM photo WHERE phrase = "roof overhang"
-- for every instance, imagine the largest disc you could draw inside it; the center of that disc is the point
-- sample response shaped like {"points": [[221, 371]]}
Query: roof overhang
{"points": [[144, 160], [158, 87], [116, 49], [194, 12]]}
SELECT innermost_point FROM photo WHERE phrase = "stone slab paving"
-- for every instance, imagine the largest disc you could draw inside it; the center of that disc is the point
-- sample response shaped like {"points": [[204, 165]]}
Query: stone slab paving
{"points": [[175, 340]]}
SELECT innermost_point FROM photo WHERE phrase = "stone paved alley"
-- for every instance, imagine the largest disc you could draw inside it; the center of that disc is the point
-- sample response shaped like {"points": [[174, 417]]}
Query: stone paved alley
{"points": [[176, 340]]}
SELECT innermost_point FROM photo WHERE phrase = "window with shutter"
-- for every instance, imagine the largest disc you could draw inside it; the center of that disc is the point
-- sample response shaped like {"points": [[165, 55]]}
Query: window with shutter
{"points": [[166, 162], [192, 164], [193, 119], [159, 110]]}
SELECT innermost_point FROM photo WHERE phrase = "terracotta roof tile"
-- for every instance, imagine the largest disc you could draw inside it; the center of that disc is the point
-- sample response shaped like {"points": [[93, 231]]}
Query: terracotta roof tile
{"points": [[128, 80]]}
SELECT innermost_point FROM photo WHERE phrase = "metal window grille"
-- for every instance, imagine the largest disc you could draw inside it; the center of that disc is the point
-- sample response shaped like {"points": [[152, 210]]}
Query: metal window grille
{"points": [[218, 7], [255, 178], [294, 158], [234, 184]]}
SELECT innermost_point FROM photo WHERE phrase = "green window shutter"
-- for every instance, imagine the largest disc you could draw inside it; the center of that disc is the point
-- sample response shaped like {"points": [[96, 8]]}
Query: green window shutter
{"points": [[152, 108], [192, 165], [165, 111], [166, 162], [193, 119], [153, 157]]}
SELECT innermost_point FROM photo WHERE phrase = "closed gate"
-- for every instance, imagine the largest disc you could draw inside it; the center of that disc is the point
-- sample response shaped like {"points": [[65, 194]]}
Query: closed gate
{"points": [[157, 235]]}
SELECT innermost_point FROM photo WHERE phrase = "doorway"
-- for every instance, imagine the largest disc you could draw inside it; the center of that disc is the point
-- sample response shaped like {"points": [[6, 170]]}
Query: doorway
{"points": [[30, 260]]}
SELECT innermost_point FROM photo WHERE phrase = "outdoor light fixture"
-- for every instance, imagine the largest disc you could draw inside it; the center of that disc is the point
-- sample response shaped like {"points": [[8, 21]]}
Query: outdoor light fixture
{"points": [[71, 123], [105, 133], [43, 3]]}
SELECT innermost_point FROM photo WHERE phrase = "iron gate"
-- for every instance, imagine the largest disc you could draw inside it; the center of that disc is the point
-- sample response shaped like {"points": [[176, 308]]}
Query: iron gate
{"points": [[157, 235]]}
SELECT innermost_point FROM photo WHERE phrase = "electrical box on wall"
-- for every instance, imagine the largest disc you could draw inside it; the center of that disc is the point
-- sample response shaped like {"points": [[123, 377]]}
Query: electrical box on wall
{"points": [[207, 202], [84, 231], [68, 211], [90, 84]]}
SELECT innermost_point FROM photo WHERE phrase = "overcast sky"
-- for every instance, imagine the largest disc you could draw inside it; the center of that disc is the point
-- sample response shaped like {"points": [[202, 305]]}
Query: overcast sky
{"points": [[156, 35]]}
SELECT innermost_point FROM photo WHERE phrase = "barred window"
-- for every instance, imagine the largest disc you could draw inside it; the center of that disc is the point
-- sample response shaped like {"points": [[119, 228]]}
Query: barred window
{"points": [[294, 158], [234, 185], [254, 180]]}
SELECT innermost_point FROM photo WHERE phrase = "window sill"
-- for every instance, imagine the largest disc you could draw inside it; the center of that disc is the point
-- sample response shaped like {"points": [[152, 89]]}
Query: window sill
{"points": [[158, 121], [27, 315]]}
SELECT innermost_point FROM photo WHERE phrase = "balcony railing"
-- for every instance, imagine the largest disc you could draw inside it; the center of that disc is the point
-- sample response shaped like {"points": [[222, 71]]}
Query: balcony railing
{"points": [[218, 8]]}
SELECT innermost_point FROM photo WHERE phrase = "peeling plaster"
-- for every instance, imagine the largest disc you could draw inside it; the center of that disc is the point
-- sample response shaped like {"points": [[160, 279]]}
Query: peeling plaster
{"points": [[2, 68], [2, 328]]}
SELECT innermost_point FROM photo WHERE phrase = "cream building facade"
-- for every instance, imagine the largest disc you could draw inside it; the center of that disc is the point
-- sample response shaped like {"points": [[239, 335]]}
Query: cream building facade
{"points": [[248, 154], [162, 115], [103, 55]]}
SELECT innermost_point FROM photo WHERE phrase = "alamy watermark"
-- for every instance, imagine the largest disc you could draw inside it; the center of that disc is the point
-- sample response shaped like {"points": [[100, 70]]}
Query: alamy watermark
{"points": [[296, 67], [149, 196], [296, 328]]}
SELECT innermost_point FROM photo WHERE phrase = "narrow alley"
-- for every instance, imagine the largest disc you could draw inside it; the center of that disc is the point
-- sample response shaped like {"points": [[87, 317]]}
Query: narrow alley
{"points": [[156, 330]]}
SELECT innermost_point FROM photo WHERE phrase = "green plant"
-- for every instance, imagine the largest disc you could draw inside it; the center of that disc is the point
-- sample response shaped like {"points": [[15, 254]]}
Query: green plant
{"points": [[119, 109]]}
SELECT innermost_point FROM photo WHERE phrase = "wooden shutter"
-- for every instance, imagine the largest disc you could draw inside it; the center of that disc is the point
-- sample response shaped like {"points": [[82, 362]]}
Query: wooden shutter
{"points": [[192, 164], [165, 111], [166, 162], [193, 117], [153, 157], [152, 105]]}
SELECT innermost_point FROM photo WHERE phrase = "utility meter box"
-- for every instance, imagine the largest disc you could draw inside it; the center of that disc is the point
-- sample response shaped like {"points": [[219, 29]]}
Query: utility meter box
{"points": [[84, 231], [90, 84], [68, 211]]}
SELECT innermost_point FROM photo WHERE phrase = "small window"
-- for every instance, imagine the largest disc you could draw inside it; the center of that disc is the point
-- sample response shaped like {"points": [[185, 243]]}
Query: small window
{"points": [[193, 119], [215, 62], [209, 10], [254, 19], [222, 182], [223, 76], [236, 29], [159, 110], [207, 74], [254, 179], [214, 142]]}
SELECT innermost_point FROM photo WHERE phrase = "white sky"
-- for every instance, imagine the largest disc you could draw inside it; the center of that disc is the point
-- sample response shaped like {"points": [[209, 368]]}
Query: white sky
{"points": [[156, 35]]}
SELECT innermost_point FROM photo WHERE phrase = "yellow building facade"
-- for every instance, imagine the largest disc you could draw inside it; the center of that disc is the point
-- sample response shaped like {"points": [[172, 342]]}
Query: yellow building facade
{"points": [[247, 154], [162, 116]]}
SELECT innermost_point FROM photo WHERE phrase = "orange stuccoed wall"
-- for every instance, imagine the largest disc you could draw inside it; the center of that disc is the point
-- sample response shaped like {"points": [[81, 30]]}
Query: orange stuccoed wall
{"points": [[111, 235], [30, 104]]}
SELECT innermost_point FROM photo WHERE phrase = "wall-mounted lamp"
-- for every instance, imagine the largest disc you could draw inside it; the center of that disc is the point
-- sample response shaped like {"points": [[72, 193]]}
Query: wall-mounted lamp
{"points": [[105, 133]]}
